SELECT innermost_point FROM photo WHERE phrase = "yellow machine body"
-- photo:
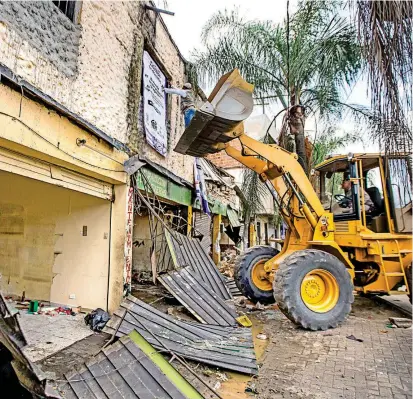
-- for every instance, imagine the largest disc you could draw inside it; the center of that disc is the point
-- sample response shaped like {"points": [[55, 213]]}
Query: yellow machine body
{"points": [[376, 250]]}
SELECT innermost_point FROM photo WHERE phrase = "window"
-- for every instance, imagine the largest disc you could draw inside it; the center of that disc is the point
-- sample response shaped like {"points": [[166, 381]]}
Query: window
{"points": [[401, 193], [67, 8], [340, 199]]}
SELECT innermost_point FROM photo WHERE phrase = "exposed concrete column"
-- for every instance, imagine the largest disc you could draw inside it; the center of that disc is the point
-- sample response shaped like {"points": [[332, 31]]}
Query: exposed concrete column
{"points": [[216, 251], [118, 241]]}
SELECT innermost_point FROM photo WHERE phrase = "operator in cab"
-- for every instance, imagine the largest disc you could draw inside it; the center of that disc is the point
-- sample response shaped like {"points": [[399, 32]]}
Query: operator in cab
{"points": [[348, 202]]}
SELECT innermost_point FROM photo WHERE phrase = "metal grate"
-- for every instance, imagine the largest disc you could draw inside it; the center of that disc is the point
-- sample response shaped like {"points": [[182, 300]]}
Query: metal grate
{"points": [[67, 8]]}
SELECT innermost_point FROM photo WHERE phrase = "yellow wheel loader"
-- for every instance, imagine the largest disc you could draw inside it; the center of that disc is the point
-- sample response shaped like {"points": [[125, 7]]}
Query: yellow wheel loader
{"points": [[338, 241]]}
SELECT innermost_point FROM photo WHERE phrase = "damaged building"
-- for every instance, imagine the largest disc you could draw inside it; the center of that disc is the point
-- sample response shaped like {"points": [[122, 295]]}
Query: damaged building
{"points": [[73, 109]]}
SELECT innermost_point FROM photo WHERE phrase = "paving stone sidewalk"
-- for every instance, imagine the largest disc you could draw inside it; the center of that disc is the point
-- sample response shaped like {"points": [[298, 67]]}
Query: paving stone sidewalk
{"points": [[327, 364]]}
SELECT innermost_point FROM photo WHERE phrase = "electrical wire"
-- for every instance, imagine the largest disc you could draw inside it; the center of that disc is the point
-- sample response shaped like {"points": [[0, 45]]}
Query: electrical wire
{"points": [[14, 118]]}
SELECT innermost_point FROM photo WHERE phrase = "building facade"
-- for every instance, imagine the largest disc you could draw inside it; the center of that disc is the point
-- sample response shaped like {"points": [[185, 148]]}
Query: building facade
{"points": [[71, 100], [80, 93]]}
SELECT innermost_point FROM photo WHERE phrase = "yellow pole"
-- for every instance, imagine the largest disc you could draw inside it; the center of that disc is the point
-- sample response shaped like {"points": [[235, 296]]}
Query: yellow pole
{"points": [[252, 234], [216, 252], [189, 221]]}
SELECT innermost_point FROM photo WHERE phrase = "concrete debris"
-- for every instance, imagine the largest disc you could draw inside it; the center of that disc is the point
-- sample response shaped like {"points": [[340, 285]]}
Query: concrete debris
{"points": [[227, 264], [262, 336]]}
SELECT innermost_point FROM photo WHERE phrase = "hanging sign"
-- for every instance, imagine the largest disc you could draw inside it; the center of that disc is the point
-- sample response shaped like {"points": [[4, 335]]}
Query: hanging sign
{"points": [[154, 106]]}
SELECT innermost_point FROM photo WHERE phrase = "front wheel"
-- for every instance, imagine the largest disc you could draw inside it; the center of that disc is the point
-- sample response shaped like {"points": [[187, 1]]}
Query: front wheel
{"points": [[249, 274], [313, 289]]}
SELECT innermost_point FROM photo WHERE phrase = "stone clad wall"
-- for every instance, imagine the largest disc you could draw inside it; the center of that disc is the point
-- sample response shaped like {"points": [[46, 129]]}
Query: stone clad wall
{"points": [[94, 67]]}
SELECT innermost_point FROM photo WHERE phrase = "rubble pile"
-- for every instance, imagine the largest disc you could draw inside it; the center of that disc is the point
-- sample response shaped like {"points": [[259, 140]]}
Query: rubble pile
{"points": [[227, 264]]}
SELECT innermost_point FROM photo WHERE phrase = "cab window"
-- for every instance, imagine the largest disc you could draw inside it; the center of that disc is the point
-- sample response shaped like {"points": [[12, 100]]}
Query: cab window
{"points": [[400, 182], [333, 195]]}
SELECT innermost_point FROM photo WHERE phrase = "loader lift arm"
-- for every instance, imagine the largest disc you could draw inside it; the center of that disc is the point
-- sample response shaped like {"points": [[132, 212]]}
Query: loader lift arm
{"points": [[283, 175], [311, 279]]}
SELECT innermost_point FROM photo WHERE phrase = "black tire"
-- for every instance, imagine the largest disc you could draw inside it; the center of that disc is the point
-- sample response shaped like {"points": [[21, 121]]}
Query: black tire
{"points": [[242, 273], [287, 289], [408, 272]]}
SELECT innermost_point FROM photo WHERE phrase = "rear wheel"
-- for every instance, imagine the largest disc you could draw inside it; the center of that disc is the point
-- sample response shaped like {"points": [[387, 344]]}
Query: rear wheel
{"points": [[313, 289], [249, 274]]}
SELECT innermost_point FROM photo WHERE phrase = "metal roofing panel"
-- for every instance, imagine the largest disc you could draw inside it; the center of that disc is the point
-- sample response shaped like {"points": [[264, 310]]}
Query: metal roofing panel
{"points": [[232, 287], [233, 218], [226, 347], [187, 251], [122, 370], [186, 286]]}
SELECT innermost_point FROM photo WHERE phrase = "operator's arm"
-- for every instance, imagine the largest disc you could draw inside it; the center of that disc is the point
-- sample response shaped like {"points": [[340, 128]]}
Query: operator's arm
{"points": [[173, 90]]}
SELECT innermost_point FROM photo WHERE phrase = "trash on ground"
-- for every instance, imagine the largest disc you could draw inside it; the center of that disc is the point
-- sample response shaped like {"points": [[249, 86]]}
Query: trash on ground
{"points": [[244, 321], [262, 336], [353, 338], [401, 322], [97, 319], [222, 377], [251, 387]]}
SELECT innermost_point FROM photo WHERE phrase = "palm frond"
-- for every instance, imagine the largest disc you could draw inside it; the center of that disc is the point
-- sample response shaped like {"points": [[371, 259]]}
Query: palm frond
{"points": [[385, 31]]}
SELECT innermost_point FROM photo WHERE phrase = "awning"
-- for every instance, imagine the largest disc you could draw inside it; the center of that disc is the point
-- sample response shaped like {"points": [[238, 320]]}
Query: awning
{"points": [[164, 183]]}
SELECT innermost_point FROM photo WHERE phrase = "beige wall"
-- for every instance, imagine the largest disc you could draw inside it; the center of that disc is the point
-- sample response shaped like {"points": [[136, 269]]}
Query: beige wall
{"points": [[42, 249], [142, 244], [103, 82]]}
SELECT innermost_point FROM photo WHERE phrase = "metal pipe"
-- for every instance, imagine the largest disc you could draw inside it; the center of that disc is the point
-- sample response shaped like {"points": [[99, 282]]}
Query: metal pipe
{"points": [[159, 10]]}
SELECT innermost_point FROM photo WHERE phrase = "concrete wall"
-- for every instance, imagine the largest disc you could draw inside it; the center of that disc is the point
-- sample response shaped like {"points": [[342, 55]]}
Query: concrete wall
{"points": [[43, 251], [94, 67]]}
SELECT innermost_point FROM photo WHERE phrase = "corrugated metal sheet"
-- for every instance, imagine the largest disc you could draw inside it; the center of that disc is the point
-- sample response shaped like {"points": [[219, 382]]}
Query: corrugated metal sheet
{"points": [[233, 218], [120, 371], [202, 224], [198, 298], [226, 347], [232, 287], [189, 252]]}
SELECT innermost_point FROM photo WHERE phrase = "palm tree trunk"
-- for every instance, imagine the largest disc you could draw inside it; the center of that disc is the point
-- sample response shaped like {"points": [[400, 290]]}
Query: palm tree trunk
{"points": [[297, 123]]}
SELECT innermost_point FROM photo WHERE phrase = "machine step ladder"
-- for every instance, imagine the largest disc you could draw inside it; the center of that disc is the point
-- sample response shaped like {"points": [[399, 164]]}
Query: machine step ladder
{"points": [[400, 273]]}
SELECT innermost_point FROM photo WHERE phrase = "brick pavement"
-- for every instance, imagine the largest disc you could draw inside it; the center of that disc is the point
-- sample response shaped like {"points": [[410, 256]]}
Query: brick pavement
{"points": [[326, 364]]}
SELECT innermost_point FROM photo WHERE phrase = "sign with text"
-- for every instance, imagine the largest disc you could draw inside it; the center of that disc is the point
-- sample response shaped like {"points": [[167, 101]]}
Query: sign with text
{"points": [[154, 106]]}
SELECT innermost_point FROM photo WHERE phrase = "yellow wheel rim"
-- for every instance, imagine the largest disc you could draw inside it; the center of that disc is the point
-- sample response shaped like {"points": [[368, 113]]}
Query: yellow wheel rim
{"points": [[259, 277], [320, 291]]}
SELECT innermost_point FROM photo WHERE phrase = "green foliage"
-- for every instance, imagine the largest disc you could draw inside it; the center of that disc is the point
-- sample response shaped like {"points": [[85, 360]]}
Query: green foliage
{"points": [[313, 67], [330, 142], [385, 30]]}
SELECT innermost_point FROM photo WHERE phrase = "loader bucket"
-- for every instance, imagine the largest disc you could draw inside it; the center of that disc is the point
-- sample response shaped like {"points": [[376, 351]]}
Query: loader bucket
{"points": [[219, 120]]}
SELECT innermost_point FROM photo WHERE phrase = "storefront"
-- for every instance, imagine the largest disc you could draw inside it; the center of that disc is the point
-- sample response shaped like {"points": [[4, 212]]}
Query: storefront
{"points": [[63, 195]]}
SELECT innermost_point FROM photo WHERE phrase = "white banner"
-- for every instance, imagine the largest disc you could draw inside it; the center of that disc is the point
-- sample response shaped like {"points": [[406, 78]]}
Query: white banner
{"points": [[154, 106]]}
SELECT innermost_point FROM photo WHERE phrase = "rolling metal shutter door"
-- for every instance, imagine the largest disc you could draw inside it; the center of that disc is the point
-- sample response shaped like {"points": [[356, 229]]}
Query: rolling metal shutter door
{"points": [[33, 168], [202, 224]]}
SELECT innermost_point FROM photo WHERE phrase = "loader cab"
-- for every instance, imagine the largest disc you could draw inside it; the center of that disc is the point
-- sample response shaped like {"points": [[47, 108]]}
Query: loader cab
{"points": [[370, 189]]}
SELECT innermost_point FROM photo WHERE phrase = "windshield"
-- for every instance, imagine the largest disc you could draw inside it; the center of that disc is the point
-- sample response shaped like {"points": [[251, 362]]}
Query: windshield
{"points": [[332, 192]]}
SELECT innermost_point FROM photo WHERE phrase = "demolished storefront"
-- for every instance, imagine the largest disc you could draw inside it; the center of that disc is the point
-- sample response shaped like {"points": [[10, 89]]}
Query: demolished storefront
{"points": [[63, 191]]}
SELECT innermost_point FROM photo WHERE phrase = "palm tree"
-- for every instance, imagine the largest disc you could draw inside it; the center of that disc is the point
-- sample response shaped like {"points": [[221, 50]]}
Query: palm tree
{"points": [[303, 64], [385, 31]]}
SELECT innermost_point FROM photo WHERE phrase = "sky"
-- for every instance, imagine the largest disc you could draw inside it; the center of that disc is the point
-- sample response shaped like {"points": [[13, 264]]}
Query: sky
{"points": [[186, 26]]}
